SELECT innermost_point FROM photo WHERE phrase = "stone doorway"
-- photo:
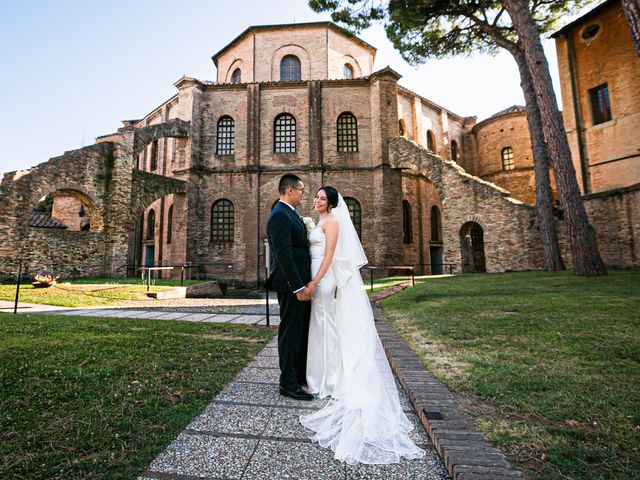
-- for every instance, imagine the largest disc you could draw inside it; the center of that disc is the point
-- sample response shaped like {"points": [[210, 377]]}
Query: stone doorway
{"points": [[472, 248]]}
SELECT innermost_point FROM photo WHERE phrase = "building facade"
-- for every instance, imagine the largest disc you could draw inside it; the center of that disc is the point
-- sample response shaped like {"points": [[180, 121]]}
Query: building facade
{"points": [[193, 182]]}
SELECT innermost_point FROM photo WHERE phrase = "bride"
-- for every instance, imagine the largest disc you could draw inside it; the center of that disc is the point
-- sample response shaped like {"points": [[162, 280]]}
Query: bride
{"points": [[363, 421]]}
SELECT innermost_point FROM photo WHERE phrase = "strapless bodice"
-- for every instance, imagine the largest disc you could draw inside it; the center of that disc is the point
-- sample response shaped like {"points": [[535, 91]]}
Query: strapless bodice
{"points": [[316, 243]]}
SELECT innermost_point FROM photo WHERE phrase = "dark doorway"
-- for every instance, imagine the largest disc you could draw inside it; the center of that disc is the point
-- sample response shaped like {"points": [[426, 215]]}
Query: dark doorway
{"points": [[472, 248], [149, 257], [436, 260]]}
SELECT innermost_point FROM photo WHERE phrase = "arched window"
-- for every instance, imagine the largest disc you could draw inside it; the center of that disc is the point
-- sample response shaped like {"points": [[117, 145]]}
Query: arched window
{"points": [[355, 212], [169, 223], [507, 159], [151, 224], [284, 134], [454, 150], [154, 156], [431, 141], [347, 132], [403, 128], [225, 136], [289, 69], [436, 234], [407, 233], [236, 76], [347, 71], [222, 221]]}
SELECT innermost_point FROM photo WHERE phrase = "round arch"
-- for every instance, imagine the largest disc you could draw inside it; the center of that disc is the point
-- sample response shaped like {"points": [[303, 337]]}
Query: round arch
{"points": [[472, 248], [295, 50]]}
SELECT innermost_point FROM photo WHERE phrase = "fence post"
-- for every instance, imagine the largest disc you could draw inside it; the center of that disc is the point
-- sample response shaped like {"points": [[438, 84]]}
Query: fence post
{"points": [[15, 306]]}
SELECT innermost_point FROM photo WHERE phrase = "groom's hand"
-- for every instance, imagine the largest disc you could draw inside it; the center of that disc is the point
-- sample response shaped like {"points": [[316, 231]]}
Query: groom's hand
{"points": [[303, 295], [312, 288]]}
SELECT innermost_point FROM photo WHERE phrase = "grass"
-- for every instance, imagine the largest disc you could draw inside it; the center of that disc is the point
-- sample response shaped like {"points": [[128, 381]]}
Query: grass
{"points": [[548, 363], [130, 281], [101, 398], [92, 292], [78, 295]]}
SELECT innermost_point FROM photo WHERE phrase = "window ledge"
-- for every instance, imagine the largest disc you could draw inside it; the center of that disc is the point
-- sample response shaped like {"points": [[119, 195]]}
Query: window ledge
{"points": [[599, 126]]}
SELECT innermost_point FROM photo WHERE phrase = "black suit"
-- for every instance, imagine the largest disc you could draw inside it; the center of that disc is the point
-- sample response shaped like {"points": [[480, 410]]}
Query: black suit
{"points": [[290, 270]]}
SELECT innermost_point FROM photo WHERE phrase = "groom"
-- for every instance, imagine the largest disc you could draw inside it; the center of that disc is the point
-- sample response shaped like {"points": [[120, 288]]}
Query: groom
{"points": [[290, 273]]}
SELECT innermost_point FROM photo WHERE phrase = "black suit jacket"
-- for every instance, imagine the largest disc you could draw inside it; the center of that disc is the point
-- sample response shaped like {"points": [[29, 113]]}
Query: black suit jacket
{"points": [[290, 263]]}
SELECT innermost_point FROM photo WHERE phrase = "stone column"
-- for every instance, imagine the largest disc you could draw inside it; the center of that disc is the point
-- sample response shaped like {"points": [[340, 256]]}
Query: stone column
{"points": [[119, 167]]}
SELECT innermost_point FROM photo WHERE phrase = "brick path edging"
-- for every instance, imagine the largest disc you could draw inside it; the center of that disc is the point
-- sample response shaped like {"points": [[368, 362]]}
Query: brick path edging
{"points": [[464, 451]]}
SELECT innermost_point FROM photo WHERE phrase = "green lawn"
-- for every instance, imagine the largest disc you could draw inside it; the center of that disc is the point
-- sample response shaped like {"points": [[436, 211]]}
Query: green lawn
{"points": [[92, 292], [100, 398], [78, 295], [549, 364]]}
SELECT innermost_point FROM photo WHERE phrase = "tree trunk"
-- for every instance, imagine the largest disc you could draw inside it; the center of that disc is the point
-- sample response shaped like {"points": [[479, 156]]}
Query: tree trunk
{"points": [[551, 257], [632, 11], [584, 249]]}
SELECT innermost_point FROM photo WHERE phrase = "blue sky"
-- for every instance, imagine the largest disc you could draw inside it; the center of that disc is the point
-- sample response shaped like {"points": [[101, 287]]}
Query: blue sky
{"points": [[73, 69]]}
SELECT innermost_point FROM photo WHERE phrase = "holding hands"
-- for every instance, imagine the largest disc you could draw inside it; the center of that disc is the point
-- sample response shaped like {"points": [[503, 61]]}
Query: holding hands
{"points": [[306, 294]]}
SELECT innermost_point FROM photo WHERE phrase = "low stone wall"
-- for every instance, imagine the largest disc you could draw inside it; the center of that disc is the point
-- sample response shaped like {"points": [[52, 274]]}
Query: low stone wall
{"points": [[71, 254], [615, 216]]}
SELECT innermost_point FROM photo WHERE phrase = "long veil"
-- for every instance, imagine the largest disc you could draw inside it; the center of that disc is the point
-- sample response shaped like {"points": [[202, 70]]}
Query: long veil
{"points": [[363, 422]]}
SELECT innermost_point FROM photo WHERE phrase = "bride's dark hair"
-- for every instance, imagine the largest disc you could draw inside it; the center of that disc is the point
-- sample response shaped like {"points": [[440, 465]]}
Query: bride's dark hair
{"points": [[332, 195]]}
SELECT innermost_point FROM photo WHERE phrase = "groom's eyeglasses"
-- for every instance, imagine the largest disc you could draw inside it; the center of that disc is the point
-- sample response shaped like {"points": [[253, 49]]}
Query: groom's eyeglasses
{"points": [[301, 189]]}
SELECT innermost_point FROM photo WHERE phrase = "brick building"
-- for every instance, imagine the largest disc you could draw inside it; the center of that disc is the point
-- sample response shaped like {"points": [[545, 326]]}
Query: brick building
{"points": [[195, 179]]}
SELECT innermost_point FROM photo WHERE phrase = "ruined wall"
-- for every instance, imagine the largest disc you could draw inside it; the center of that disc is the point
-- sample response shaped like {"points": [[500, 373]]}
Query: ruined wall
{"points": [[615, 216], [511, 241], [68, 253]]}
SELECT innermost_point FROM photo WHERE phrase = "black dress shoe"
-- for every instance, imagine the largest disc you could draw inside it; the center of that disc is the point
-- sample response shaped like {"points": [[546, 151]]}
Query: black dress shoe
{"points": [[295, 391]]}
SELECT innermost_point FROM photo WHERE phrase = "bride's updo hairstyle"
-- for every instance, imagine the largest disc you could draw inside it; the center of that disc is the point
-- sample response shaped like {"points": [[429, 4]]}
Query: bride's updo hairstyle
{"points": [[332, 196]]}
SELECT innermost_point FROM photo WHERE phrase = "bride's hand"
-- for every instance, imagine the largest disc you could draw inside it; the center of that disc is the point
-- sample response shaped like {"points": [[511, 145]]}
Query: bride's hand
{"points": [[312, 287]]}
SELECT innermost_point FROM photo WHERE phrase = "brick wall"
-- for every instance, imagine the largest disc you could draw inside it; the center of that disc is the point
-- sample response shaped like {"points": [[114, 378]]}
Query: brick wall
{"points": [[612, 148]]}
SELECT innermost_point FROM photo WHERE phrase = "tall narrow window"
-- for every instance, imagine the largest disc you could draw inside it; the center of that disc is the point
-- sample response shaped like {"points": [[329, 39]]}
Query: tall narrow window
{"points": [[347, 71], [355, 212], [436, 231], [222, 221], [225, 136], [347, 132], [407, 233], [284, 134], [154, 156], [507, 159], [600, 106], [290, 69], [454, 150], [431, 141], [236, 76], [403, 128], [169, 223], [151, 224]]}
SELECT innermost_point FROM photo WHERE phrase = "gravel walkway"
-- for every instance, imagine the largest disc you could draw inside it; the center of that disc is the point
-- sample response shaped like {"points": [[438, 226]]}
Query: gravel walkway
{"points": [[250, 432]]}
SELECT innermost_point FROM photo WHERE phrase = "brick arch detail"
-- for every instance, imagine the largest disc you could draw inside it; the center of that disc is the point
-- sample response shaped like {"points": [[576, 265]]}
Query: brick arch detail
{"points": [[237, 63], [150, 187], [175, 128], [291, 49]]}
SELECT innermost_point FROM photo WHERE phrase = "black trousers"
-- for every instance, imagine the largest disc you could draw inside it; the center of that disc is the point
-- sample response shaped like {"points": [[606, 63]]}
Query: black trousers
{"points": [[293, 336]]}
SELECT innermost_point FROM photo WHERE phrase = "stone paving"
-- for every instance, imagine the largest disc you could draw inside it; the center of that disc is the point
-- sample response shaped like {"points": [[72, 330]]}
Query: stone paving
{"points": [[249, 431]]}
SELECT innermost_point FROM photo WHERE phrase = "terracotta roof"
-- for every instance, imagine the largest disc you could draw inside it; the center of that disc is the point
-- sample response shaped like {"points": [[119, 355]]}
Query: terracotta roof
{"points": [[44, 220], [511, 109]]}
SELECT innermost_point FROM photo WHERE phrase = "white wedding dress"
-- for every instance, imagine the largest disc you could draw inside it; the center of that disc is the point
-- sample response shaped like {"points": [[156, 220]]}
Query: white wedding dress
{"points": [[363, 421], [323, 352]]}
